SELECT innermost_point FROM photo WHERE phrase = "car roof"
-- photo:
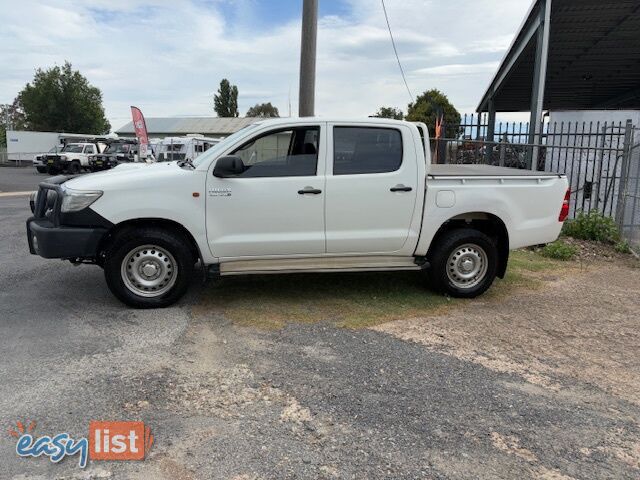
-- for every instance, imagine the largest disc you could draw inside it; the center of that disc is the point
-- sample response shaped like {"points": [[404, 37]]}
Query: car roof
{"points": [[306, 120]]}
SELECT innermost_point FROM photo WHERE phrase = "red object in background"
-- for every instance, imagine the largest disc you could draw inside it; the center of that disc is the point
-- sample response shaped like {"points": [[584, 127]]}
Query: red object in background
{"points": [[140, 127], [564, 211], [438, 136]]}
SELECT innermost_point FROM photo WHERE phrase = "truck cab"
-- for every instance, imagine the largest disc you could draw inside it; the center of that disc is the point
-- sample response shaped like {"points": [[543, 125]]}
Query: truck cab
{"points": [[298, 195]]}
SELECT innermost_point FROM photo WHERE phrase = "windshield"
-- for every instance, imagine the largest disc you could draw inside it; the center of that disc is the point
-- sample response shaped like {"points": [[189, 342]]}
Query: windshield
{"points": [[213, 151], [118, 148], [72, 149]]}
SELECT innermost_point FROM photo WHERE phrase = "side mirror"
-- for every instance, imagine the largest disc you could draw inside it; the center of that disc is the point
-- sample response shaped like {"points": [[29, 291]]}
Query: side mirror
{"points": [[229, 166]]}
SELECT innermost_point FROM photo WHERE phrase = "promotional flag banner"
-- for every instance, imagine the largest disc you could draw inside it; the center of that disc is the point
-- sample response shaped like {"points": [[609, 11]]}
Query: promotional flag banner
{"points": [[140, 128]]}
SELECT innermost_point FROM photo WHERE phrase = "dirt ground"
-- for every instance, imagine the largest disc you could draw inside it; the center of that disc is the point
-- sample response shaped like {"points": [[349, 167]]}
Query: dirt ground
{"points": [[575, 335], [583, 322]]}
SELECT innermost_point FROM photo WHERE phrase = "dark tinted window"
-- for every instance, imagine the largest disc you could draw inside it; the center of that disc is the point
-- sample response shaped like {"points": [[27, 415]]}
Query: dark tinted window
{"points": [[291, 152], [366, 150]]}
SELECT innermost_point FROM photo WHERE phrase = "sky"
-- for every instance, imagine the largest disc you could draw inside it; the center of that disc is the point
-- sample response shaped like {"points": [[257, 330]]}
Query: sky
{"points": [[168, 56]]}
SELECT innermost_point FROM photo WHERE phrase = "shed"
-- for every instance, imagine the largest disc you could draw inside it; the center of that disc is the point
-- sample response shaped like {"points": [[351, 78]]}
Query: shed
{"points": [[180, 126]]}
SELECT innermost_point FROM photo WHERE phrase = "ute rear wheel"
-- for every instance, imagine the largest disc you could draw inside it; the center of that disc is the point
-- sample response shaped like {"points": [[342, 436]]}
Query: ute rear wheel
{"points": [[148, 267], [463, 263]]}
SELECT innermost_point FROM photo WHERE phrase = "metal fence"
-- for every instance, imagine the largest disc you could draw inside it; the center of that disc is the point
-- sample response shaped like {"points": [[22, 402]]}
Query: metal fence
{"points": [[628, 211], [601, 160], [24, 159]]}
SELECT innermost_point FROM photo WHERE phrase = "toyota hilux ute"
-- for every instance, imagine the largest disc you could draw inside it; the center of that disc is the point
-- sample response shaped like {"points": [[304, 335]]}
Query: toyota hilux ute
{"points": [[298, 195]]}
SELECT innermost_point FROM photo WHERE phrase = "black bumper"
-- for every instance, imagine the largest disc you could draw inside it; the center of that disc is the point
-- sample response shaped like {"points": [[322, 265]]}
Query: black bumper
{"points": [[50, 241], [53, 234]]}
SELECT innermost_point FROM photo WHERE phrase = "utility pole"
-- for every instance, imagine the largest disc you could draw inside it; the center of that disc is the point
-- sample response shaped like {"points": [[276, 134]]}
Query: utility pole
{"points": [[308, 58]]}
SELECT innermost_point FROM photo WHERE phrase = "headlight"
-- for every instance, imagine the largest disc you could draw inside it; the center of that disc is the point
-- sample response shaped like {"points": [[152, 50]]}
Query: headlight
{"points": [[92, 158], [76, 200]]}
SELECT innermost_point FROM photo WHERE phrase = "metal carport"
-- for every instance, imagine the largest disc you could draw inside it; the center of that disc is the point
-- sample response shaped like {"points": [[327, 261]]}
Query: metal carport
{"points": [[569, 55]]}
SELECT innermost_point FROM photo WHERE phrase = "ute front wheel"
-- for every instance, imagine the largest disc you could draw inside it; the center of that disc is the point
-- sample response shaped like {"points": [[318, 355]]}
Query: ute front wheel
{"points": [[148, 267], [463, 263]]}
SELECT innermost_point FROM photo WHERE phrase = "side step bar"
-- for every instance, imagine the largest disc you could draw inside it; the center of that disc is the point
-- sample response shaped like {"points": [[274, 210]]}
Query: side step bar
{"points": [[317, 265]]}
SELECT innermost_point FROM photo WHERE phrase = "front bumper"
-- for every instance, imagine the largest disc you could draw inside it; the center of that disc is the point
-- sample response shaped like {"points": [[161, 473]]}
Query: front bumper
{"points": [[72, 235], [102, 163], [49, 241]]}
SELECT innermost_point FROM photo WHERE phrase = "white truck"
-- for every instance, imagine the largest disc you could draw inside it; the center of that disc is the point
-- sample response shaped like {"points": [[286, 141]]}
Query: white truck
{"points": [[298, 195], [73, 158]]}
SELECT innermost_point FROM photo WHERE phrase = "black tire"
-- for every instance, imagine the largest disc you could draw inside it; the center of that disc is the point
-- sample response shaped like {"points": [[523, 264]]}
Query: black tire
{"points": [[52, 171], [469, 245], [41, 169], [75, 167], [129, 240]]}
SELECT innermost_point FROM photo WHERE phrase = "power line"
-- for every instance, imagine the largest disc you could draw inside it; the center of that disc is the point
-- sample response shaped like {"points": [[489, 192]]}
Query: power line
{"points": [[393, 42]]}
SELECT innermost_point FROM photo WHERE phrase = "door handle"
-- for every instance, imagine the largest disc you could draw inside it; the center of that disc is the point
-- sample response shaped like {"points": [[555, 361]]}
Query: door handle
{"points": [[401, 188], [309, 191]]}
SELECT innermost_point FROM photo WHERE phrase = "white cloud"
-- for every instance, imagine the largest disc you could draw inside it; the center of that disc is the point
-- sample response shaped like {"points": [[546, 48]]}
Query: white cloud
{"points": [[459, 69], [168, 57]]}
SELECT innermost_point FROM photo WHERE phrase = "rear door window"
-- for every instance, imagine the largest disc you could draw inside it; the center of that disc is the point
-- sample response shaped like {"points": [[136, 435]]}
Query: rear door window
{"points": [[360, 150]]}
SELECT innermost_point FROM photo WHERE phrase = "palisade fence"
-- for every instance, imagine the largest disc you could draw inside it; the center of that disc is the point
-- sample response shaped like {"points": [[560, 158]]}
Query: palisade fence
{"points": [[601, 160]]}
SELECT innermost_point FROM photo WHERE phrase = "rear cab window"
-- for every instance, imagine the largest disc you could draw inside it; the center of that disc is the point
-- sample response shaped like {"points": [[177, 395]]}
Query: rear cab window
{"points": [[366, 150]]}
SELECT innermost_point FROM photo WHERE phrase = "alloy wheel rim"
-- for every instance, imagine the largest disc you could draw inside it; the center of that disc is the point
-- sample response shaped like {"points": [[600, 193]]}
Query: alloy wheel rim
{"points": [[149, 271]]}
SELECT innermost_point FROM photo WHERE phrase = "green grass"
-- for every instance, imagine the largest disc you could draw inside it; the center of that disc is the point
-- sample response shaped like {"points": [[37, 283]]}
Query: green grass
{"points": [[346, 300]]}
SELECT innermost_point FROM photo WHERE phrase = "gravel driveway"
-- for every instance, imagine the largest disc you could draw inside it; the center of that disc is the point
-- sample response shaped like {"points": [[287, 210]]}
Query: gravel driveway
{"points": [[540, 383]]}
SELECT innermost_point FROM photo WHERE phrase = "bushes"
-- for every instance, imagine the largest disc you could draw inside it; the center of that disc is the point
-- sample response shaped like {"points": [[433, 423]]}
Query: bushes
{"points": [[559, 250], [622, 247], [593, 226], [598, 228]]}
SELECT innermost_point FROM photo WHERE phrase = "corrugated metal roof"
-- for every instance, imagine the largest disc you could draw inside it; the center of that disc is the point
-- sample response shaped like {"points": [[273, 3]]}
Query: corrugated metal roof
{"points": [[185, 125], [594, 58]]}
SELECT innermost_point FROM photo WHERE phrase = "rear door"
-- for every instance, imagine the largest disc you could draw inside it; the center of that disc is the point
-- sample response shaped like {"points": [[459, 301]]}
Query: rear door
{"points": [[371, 189]]}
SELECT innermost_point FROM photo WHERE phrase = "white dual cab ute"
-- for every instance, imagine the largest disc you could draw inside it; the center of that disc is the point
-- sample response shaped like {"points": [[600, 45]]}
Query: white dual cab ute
{"points": [[298, 195]]}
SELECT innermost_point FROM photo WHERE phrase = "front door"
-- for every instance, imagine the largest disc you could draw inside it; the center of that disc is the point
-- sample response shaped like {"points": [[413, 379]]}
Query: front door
{"points": [[276, 205], [371, 189]]}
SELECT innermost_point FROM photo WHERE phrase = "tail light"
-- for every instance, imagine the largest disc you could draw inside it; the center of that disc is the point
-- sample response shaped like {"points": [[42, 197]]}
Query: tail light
{"points": [[564, 211]]}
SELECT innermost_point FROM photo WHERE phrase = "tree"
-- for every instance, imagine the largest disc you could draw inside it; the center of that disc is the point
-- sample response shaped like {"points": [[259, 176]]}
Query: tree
{"points": [[11, 118], [61, 99], [263, 110], [389, 112], [429, 106], [225, 102]]}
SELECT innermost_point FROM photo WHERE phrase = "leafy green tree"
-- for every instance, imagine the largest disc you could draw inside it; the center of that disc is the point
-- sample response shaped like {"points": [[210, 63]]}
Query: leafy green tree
{"points": [[61, 99], [11, 118], [429, 106], [263, 110], [225, 102], [389, 112]]}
